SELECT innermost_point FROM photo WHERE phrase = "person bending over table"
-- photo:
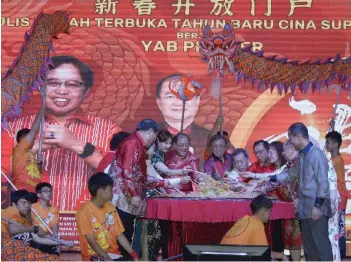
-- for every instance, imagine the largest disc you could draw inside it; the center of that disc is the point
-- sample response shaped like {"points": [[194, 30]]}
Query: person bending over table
{"points": [[249, 230]]}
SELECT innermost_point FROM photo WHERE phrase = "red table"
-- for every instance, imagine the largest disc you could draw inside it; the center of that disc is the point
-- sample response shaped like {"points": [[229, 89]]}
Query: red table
{"points": [[204, 221]]}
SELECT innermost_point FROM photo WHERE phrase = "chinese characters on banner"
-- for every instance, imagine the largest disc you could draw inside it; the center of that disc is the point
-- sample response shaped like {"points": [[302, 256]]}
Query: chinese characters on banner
{"points": [[220, 7]]}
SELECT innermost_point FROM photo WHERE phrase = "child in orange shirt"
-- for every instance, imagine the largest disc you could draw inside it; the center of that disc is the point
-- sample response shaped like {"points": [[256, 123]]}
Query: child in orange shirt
{"points": [[48, 213], [99, 224], [249, 230], [332, 144], [14, 241]]}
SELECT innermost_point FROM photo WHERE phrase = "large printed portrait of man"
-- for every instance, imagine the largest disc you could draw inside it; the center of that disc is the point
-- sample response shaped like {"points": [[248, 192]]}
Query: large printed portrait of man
{"points": [[67, 131], [171, 109]]}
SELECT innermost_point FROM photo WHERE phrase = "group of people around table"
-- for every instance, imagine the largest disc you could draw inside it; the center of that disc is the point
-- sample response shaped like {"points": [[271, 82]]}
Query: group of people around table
{"points": [[152, 160]]}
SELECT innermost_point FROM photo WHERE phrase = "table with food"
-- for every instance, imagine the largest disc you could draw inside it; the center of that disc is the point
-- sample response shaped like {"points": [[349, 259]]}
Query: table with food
{"points": [[204, 215]]}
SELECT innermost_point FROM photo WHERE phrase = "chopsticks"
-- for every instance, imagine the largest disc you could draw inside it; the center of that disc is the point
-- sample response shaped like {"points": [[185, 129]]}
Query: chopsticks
{"points": [[195, 182]]}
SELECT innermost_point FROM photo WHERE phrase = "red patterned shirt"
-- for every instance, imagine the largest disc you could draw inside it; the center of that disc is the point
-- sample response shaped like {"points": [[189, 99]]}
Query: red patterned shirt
{"points": [[257, 168], [129, 174], [64, 170]]}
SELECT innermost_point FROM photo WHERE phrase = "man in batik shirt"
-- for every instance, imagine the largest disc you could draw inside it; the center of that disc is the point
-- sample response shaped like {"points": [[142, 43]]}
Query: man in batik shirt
{"points": [[129, 173]]}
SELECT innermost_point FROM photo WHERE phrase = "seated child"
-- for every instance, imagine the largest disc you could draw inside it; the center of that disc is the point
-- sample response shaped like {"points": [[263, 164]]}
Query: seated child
{"points": [[19, 227], [99, 224], [48, 213], [249, 230]]}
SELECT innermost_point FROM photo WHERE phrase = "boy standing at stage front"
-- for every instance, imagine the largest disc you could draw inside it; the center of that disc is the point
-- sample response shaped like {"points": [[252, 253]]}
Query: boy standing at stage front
{"points": [[333, 143], [99, 225]]}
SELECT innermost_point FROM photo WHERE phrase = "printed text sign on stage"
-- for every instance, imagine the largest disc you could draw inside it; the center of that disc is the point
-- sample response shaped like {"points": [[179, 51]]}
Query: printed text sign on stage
{"points": [[68, 228], [127, 47]]}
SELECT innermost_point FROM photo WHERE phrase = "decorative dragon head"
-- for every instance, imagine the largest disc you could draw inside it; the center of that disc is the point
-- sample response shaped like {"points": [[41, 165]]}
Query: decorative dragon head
{"points": [[217, 49], [61, 23], [56, 23]]}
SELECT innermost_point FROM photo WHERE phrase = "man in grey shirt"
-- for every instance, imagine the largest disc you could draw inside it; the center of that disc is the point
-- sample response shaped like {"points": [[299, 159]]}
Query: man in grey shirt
{"points": [[311, 170], [314, 197]]}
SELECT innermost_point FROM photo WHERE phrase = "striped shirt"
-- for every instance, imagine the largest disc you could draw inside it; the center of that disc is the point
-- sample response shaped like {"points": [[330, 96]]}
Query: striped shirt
{"points": [[64, 170]]}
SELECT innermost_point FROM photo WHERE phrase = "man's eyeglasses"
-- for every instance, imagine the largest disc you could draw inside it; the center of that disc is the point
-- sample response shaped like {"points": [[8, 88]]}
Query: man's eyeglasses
{"points": [[70, 84], [46, 191]]}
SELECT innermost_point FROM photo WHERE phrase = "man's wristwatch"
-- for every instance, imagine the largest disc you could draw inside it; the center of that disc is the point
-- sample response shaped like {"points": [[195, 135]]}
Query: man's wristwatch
{"points": [[36, 229], [88, 150]]}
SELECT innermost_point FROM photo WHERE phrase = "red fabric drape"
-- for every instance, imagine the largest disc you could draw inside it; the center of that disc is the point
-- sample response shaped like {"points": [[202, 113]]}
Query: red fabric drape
{"points": [[210, 210], [204, 221]]}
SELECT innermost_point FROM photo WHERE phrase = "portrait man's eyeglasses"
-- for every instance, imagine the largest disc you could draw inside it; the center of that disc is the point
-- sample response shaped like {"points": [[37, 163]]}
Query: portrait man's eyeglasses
{"points": [[70, 84]]}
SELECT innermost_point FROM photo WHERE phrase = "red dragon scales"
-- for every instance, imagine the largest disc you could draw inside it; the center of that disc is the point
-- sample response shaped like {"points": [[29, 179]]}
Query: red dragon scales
{"points": [[223, 53], [29, 69]]}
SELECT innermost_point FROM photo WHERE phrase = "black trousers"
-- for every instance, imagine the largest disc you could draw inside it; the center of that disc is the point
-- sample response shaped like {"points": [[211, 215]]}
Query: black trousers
{"points": [[128, 221], [277, 235], [315, 239]]}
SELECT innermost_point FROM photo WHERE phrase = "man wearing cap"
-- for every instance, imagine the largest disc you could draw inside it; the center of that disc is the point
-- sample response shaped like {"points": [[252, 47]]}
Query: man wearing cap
{"points": [[129, 174], [15, 236]]}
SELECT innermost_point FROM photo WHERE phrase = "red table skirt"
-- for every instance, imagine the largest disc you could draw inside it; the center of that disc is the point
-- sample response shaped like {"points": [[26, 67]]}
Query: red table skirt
{"points": [[204, 221], [210, 210]]}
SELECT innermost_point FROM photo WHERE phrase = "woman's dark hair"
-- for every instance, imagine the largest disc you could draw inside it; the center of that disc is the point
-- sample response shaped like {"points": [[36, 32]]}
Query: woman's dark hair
{"points": [[97, 181], [163, 136], [225, 133], [218, 137], [178, 136], [278, 146], [259, 203]]}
